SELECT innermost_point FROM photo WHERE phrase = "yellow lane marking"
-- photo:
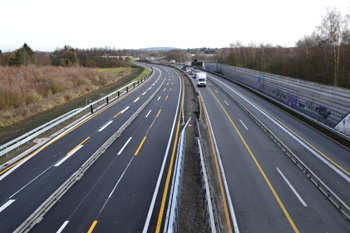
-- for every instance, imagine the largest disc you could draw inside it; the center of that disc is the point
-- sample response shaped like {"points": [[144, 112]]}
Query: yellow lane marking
{"points": [[158, 113], [260, 169], [166, 98], [292, 117], [92, 226], [138, 149], [170, 88], [161, 211], [136, 99], [43, 147], [227, 216], [79, 145], [301, 138], [118, 114]]}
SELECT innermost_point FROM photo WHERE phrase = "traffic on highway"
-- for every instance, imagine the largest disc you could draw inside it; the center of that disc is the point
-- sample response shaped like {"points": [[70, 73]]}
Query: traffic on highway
{"points": [[111, 171]]}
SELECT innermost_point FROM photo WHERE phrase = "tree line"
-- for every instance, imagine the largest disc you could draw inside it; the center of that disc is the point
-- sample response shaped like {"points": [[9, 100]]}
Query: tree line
{"points": [[68, 56], [323, 56]]}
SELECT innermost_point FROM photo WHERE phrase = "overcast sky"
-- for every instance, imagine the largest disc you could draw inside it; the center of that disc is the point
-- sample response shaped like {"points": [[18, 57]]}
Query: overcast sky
{"points": [[132, 24]]}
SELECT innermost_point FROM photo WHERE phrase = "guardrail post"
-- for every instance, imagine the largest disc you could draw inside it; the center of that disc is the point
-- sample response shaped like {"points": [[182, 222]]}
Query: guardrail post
{"points": [[118, 94], [126, 89], [91, 109], [138, 83], [107, 100], [133, 85]]}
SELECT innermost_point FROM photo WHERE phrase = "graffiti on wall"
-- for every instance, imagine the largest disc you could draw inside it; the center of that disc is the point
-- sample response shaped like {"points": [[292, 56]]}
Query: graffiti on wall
{"points": [[259, 82], [300, 104]]}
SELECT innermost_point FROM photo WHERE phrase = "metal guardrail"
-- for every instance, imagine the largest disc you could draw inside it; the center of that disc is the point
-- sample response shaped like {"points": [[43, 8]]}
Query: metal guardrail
{"points": [[172, 215], [210, 217], [331, 196], [39, 213], [26, 138]]}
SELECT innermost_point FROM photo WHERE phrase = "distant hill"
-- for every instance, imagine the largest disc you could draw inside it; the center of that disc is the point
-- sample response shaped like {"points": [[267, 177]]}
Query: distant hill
{"points": [[159, 48]]}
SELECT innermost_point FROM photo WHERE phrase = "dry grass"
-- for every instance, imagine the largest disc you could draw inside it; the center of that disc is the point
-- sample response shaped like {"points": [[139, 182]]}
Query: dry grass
{"points": [[26, 91]]}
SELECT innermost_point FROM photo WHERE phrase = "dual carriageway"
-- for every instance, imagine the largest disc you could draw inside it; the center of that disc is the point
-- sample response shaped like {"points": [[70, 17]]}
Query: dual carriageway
{"points": [[126, 189]]}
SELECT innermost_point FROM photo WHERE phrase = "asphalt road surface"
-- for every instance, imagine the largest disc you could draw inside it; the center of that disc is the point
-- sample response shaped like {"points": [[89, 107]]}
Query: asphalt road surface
{"points": [[265, 191], [125, 190]]}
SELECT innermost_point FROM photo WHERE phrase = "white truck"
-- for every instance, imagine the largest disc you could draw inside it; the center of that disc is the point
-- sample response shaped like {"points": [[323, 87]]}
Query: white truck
{"points": [[201, 79], [172, 62]]}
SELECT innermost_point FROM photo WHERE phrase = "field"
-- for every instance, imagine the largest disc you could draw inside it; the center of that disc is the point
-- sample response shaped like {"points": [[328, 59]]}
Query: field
{"points": [[27, 91], [32, 121]]}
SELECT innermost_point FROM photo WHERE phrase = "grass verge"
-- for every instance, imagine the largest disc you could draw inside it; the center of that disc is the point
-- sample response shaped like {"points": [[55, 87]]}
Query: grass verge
{"points": [[15, 130]]}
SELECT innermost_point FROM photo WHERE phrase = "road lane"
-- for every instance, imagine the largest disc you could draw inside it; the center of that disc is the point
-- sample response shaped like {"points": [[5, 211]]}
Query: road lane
{"points": [[39, 178], [116, 192], [251, 198], [327, 158]]}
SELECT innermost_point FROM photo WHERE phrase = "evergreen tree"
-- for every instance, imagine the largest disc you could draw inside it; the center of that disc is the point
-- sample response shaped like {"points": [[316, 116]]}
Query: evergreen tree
{"points": [[22, 56]]}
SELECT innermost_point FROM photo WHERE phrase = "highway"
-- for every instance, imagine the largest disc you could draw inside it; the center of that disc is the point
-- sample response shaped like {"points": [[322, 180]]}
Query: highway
{"points": [[125, 190], [265, 191]]}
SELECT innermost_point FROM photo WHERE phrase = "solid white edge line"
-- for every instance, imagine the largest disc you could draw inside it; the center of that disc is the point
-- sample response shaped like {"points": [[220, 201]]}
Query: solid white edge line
{"points": [[105, 126], [4, 206], [292, 188], [293, 136], [243, 124], [150, 211], [121, 150], [68, 156], [148, 113], [63, 226], [228, 196]]}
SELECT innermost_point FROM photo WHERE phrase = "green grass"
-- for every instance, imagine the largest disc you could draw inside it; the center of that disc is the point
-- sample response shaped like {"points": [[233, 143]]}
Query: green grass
{"points": [[119, 70], [132, 59], [114, 72], [142, 75]]}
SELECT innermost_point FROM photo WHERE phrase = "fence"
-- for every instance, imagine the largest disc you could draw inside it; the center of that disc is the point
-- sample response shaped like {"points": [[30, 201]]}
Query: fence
{"points": [[326, 104], [26, 138]]}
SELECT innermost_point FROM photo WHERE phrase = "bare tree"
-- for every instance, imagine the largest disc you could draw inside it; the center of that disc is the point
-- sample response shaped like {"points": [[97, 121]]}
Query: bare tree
{"points": [[330, 32]]}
